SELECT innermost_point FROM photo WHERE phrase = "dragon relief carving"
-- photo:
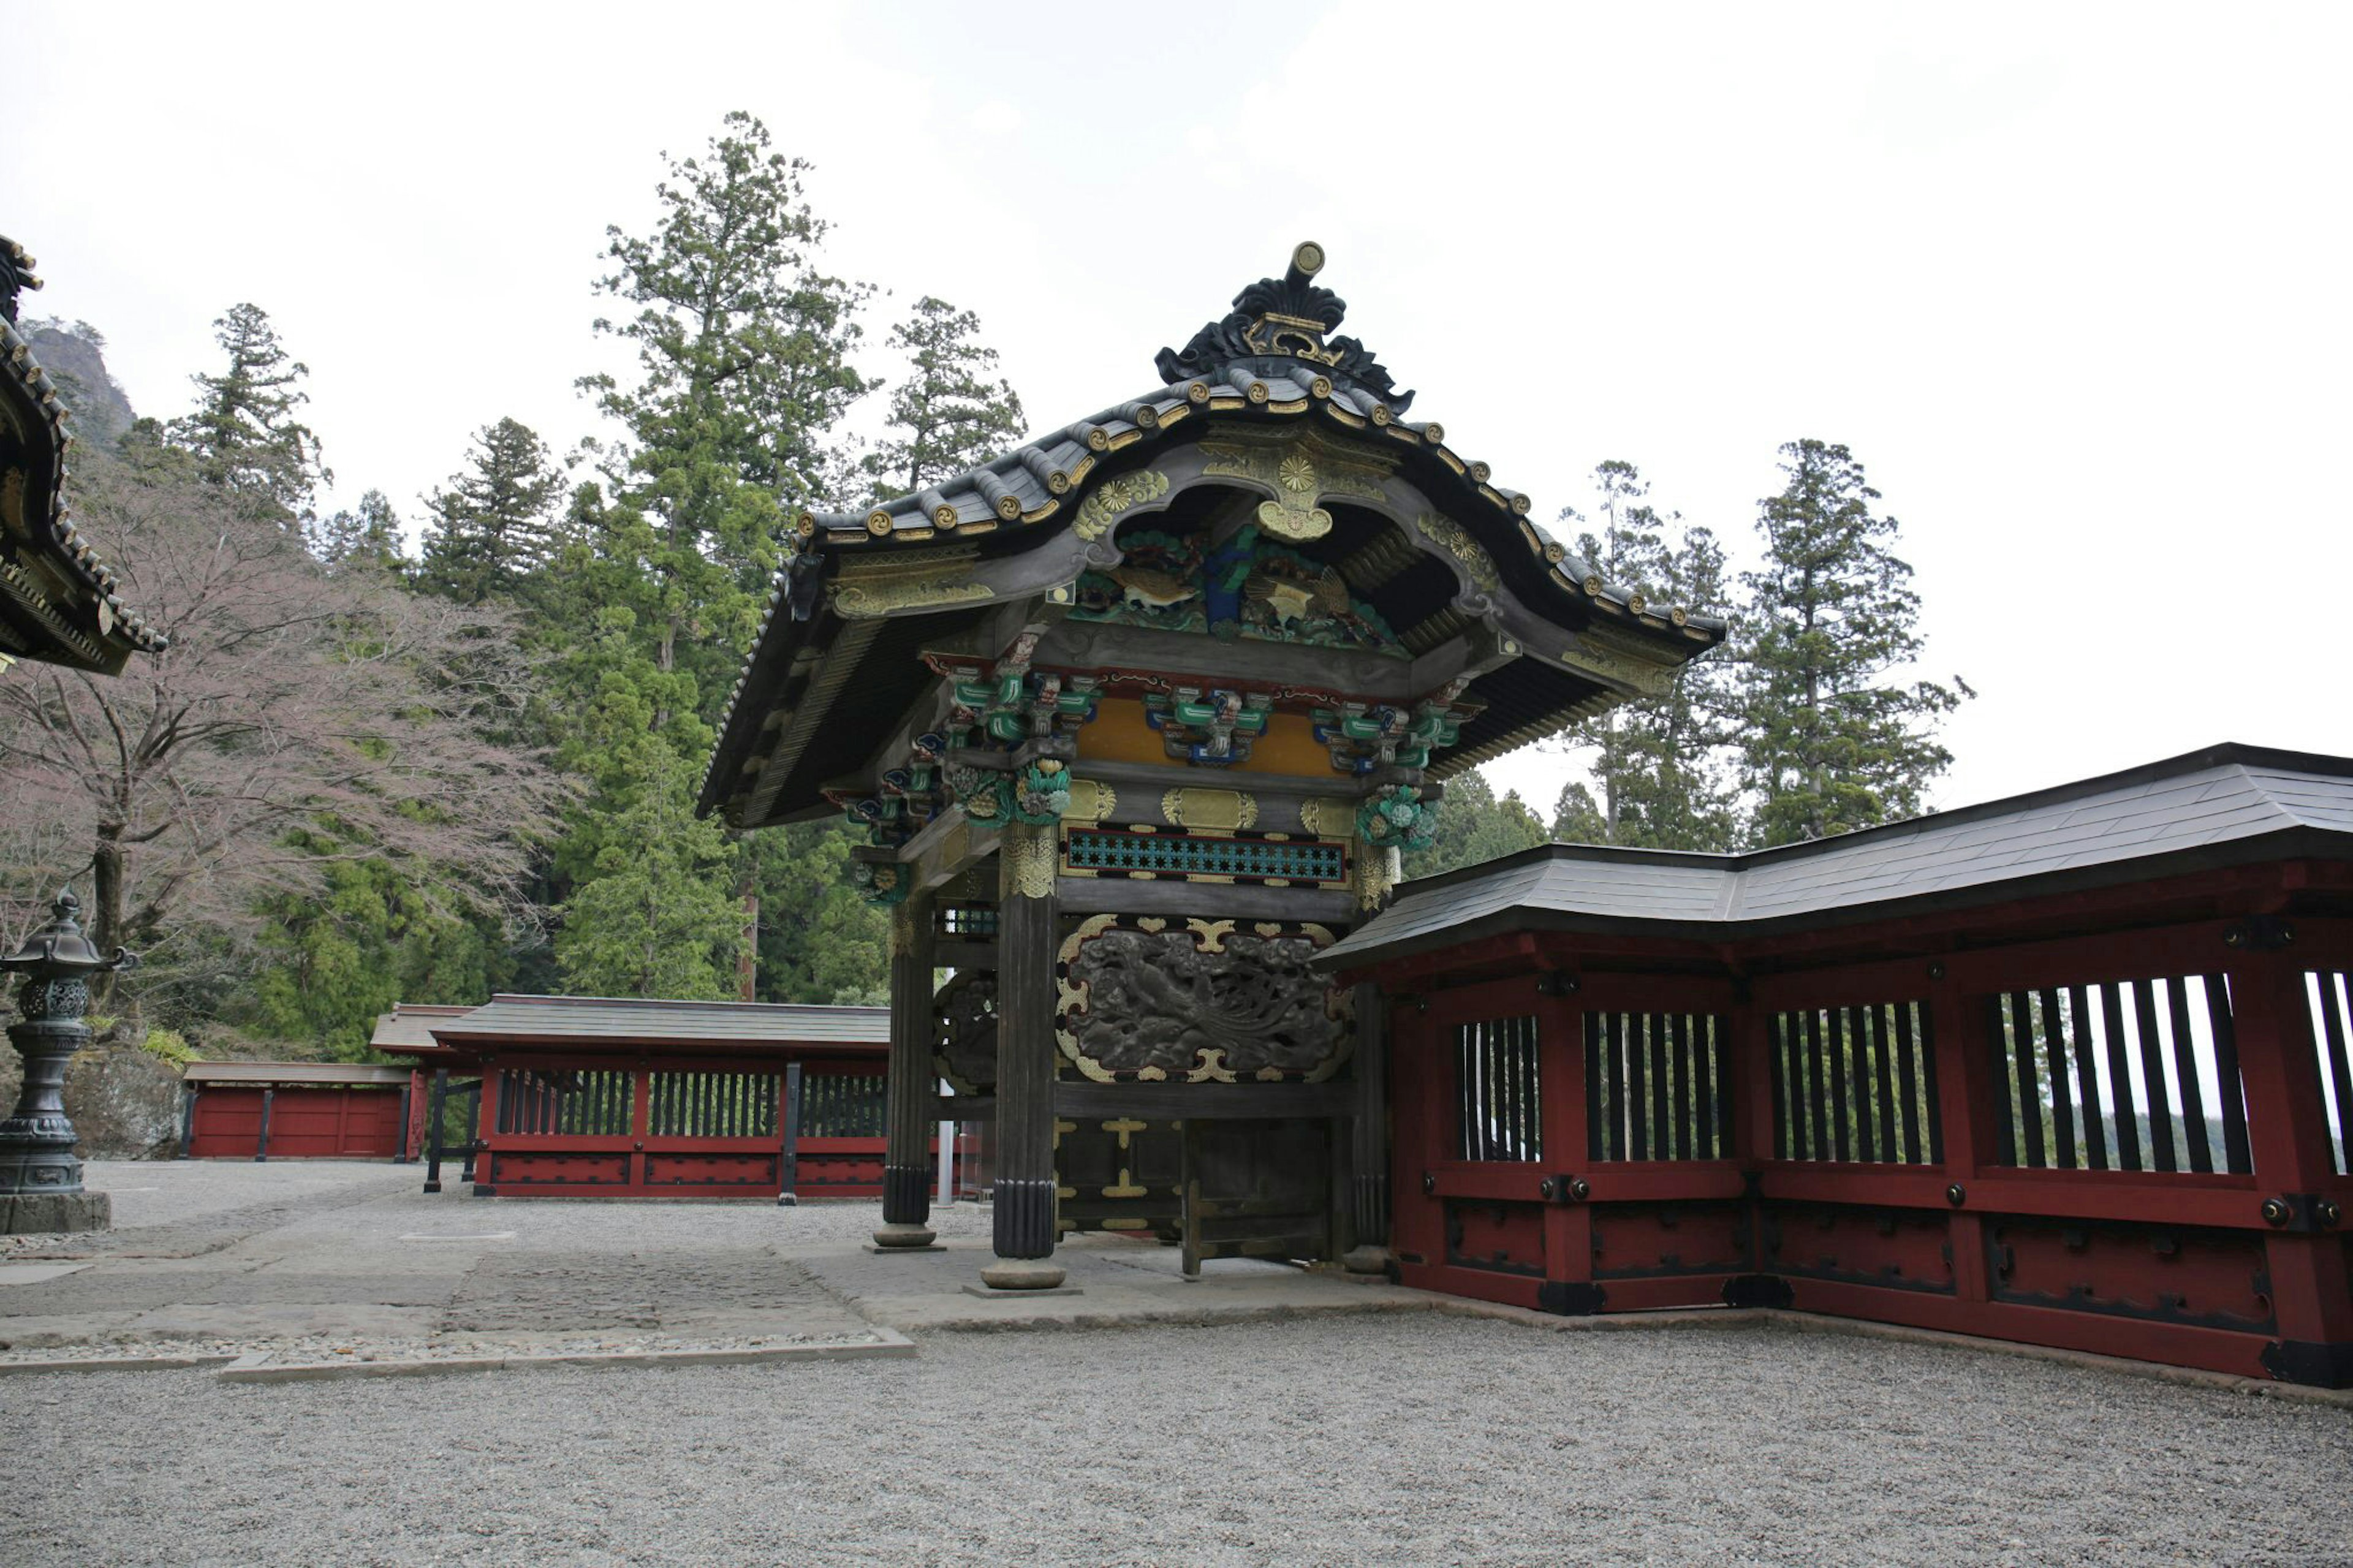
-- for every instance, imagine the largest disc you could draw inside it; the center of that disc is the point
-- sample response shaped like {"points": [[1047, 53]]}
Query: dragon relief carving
{"points": [[1146, 1000]]}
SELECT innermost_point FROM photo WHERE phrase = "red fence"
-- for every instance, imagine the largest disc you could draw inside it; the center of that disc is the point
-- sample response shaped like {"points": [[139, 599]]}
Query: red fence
{"points": [[2134, 1143], [574, 1127]]}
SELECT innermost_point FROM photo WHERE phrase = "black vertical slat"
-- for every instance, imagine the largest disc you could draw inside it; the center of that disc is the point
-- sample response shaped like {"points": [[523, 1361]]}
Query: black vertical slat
{"points": [[2062, 1096], [2152, 1066], [1523, 1089], [1638, 1085], [2005, 1120], [1679, 1140], [2335, 1007], [1719, 1089], [1817, 1127], [2029, 1086], [1863, 1051], [1907, 1082], [1837, 1058], [2112, 1030], [2185, 1061], [2236, 1158], [1507, 1093], [1777, 1064], [1533, 1055], [1661, 1090], [1883, 1066], [1597, 1147], [1686, 1095], [2088, 1079], [1466, 1126], [1613, 1072]]}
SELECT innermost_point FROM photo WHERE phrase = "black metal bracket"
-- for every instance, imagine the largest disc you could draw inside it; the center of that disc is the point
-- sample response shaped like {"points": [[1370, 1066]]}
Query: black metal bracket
{"points": [[1564, 1189], [2260, 934], [2306, 1362], [1565, 1299], [1758, 1291], [2301, 1214]]}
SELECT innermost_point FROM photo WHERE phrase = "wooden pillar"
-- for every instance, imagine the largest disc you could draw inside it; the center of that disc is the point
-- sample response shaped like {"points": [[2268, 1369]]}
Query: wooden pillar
{"points": [[261, 1144], [188, 1121], [433, 1129], [1369, 1135], [1026, 941], [788, 1148], [1568, 1287], [2287, 1137], [906, 1170], [1965, 1086]]}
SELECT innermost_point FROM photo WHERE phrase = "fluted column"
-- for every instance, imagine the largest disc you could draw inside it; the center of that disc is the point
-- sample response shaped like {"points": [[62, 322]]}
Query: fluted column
{"points": [[1026, 938], [906, 1164]]}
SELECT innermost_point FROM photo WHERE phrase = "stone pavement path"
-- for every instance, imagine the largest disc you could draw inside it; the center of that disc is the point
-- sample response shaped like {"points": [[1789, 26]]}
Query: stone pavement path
{"points": [[350, 1258]]}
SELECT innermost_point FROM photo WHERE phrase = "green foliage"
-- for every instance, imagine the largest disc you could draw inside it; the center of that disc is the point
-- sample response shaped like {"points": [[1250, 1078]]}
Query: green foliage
{"points": [[169, 1046], [490, 530], [367, 538], [954, 412], [1829, 742], [1474, 826], [653, 914], [1655, 759], [244, 431]]}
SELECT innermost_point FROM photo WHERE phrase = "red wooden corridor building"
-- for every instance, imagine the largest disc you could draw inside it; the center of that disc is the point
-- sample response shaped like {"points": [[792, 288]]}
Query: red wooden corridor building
{"points": [[2074, 1068]]}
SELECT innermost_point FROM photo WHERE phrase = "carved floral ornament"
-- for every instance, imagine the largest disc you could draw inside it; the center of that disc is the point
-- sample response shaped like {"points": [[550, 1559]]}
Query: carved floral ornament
{"points": [[1144, 999]]}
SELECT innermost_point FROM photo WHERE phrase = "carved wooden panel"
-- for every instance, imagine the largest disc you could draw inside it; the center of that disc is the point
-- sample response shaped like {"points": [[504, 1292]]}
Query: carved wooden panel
{"points": [[1148, 999], [963, 1031]]}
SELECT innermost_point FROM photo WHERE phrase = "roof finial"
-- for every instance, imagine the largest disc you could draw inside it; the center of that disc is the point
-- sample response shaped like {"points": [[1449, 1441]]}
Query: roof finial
{"points": [[1277, 322]]}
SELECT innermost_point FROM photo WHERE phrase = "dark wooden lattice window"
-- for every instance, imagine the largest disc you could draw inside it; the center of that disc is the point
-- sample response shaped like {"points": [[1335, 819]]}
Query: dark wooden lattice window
{"points": [[713, 1105], [2329, 993], [2137, 1076], [1856, 1084], [1499, 1105], [586, 1104], [842, 1105], [1656, 1087]]}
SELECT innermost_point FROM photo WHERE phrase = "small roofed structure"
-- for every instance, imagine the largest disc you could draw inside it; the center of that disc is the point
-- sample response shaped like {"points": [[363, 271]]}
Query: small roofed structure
{"points": [[58, 603], [582, 1096], [296, 1111], [2074, 1068]]}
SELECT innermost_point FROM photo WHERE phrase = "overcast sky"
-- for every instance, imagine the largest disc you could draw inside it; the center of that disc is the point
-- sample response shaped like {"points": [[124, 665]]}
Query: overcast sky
{"points": [[2070, 281]]}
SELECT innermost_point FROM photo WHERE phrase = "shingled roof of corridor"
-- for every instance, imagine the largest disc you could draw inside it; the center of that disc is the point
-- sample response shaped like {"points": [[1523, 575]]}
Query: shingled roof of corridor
{"points": [[2224, 805]]}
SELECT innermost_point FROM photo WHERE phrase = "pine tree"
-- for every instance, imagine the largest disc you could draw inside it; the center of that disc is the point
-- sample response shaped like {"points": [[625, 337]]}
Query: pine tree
{"points": [[364, 538], [656, 917], [244, 431], [1474, 826], [1828, 742], [491, 527], [1577, 816], [743, 342], [954, 412], [1656, 759]]}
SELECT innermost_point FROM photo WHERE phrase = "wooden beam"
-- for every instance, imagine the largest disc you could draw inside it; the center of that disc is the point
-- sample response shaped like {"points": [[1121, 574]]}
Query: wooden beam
{"points": [[1206, 1101]]}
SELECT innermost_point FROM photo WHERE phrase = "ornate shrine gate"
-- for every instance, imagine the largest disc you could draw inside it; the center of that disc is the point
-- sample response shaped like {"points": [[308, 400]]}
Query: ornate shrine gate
{"points": [[1137, 719]]}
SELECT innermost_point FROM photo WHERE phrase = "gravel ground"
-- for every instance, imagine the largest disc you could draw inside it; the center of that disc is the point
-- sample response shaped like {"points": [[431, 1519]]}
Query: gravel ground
{"points": [[1408, 1439]]}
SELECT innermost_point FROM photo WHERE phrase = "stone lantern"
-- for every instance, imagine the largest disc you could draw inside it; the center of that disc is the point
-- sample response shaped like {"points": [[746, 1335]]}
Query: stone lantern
{"points": [[40, 1176]]}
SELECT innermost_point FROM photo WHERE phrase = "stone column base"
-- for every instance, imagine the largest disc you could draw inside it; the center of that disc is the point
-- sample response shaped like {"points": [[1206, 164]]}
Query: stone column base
{"points": [[36, 1214], [1021, 1274], [1365, 1260], [893, 1237]]}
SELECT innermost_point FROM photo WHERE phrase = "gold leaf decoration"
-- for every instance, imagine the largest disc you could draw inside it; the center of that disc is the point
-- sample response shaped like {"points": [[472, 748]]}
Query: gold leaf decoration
{"points": [[1029, 854], [1109, 500], [1455, 540], [1211, 810], [1091, 801]]}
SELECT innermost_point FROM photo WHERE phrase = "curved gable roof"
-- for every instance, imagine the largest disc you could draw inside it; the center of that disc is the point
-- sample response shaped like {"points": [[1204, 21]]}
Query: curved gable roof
{"points": [[1271, 366], [57, 599]]}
